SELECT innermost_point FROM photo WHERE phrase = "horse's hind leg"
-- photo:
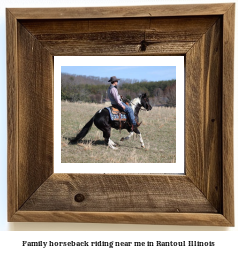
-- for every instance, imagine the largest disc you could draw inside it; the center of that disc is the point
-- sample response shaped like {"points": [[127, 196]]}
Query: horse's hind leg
{"points": [[111, 144], [108, 141]]}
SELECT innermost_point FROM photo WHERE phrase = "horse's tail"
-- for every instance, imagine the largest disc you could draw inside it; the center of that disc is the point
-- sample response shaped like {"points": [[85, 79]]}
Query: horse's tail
{"points": [[83, 132]]}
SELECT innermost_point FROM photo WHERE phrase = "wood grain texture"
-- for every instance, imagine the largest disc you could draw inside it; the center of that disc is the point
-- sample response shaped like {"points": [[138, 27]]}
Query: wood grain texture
{"points": [[12, 116], [72, 48], [204, 114], [204, 196], [227, 113], [121, 12], [197, 219], [189, 26], [114, 193], [119, 36], [35, 133]]}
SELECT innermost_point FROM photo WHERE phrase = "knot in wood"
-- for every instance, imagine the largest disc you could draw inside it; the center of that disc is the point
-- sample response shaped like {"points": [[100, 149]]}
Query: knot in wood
{"points": [[79, 198], [143, 45]]}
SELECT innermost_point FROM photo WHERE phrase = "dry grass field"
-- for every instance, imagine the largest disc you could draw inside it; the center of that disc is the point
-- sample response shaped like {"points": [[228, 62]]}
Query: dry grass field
{"points": [[158, 130]]}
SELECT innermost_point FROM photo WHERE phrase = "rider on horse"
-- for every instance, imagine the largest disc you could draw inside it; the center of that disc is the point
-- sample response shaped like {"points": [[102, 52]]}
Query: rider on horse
{"points": [[104, 123], [117, 103]]}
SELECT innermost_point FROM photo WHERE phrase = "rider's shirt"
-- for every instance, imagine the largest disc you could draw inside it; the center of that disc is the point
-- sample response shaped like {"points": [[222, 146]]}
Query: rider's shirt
{"points": [[114, 96]]}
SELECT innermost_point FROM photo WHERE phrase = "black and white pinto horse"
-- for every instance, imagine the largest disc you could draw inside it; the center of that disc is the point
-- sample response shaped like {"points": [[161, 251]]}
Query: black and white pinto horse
{"points": [[104, 123]]}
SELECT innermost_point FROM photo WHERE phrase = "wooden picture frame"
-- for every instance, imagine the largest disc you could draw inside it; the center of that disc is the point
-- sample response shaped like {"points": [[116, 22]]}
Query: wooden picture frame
{"points": [[204, 34]]}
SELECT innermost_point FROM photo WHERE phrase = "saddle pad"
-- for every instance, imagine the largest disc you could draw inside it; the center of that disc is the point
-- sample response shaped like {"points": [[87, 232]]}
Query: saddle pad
{"points": [[118, 116]]}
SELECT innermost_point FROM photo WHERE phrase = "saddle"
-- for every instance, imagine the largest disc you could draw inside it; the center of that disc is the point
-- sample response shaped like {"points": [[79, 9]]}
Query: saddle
{"points": [[116, 114], [116, 111]]}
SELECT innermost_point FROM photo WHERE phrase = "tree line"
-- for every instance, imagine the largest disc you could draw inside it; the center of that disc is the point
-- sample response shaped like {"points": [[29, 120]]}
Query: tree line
{"points": [[94, 89]]}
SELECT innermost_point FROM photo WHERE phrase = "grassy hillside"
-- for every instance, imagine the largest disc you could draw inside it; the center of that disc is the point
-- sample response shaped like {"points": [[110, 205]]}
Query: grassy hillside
{"points": [[158, 130]]}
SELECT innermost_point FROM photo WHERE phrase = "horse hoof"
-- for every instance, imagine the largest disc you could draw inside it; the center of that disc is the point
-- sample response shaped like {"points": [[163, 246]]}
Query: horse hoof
{"points": [[122, 139], [112, 147], [143, 146]]}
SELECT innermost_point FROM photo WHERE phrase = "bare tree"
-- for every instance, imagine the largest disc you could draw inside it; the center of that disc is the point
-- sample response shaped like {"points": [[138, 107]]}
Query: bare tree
{"points": [[170, 92]]}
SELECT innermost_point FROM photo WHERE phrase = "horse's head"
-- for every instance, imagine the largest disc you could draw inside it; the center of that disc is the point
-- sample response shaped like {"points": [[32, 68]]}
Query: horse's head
{"points": [[145, 102]]}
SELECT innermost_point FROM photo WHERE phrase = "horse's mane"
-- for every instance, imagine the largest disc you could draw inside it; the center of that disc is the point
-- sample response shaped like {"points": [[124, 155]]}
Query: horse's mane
{"points": [[134, 102]]}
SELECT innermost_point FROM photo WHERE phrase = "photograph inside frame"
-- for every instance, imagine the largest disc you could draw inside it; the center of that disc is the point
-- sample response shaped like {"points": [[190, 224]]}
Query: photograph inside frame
{"points": [[118, 114]]}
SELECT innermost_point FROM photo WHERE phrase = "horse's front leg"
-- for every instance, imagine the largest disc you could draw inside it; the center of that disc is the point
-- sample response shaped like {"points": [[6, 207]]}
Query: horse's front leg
{"points": [[129, 136], [141, 141]]}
